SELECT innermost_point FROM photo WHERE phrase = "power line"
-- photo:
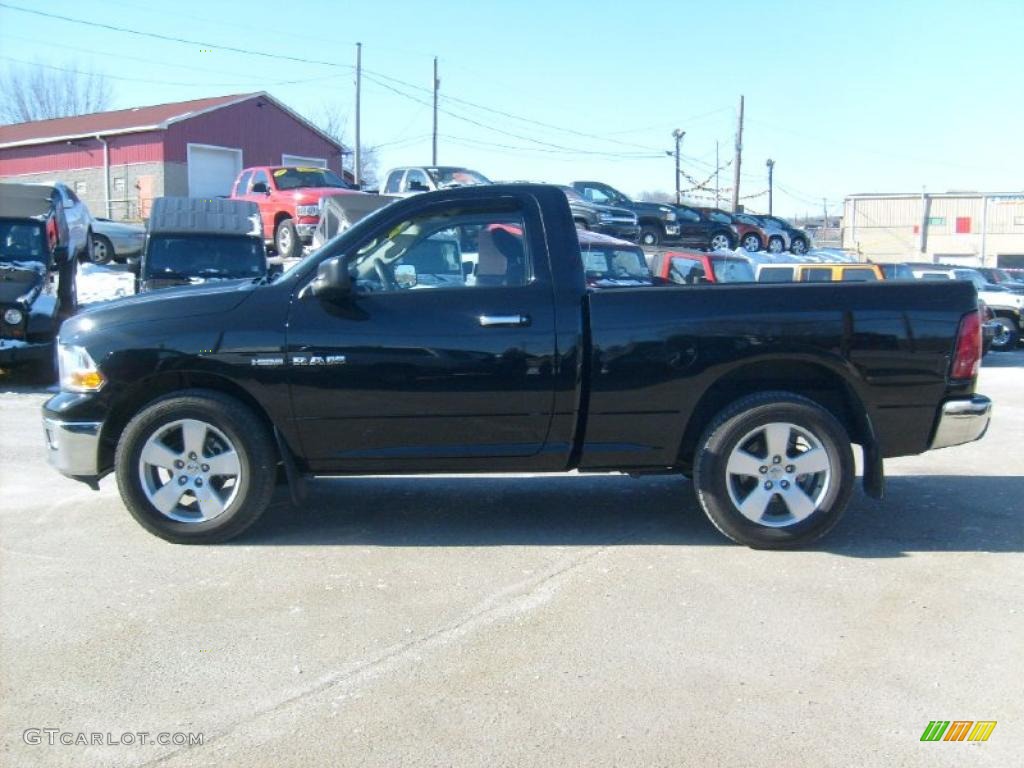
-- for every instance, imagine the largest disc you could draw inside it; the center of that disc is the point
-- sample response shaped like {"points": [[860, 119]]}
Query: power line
{"points": [[147, 81]]}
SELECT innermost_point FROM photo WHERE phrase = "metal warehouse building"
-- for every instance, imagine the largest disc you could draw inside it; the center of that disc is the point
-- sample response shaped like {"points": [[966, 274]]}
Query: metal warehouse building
{"points": [[117, 162], [973, 228]]}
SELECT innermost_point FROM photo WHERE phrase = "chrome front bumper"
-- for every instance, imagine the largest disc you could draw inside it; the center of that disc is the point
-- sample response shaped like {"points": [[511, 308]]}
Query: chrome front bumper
{"points": [[962, 421], [73, 446]]}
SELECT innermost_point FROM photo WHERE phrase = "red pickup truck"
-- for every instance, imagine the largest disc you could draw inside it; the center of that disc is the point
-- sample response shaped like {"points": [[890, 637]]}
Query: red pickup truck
{"points": [[289, 201]]}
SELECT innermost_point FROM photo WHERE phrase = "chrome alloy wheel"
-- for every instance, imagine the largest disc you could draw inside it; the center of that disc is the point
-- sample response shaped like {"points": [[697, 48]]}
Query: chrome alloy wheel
{"points": [[720, 243], [284, 240], [778, 474], [190, 471]]}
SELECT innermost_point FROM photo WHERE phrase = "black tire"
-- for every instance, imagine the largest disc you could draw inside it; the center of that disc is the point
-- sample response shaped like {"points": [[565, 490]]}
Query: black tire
{"points": [[799, 246], [650, 235], [286, 240], [253, 445], [582, 224], [724, 435], [776, 245], [1005, 339], [102, 251], [67, 288], [751, 242]]}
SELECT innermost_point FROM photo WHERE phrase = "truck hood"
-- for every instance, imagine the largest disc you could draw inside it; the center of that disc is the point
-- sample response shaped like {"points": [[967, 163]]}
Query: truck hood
{"points": [[20, 280], [167, 305]]}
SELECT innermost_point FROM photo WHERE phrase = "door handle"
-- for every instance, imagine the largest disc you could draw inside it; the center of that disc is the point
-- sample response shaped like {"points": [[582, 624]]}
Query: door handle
{"points": [[488, 320]]}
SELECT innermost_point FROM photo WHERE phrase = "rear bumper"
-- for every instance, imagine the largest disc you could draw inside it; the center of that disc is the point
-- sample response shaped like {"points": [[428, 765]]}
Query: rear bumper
{"points": [[962, 421], [73, 447]]}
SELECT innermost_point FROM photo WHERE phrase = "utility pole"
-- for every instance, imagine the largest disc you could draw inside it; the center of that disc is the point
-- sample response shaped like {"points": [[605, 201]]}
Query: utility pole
{"points": [[357, 170], [678, 135], [737, 162], [771, 167], [824, 210], [437, 85], [718, 167]]}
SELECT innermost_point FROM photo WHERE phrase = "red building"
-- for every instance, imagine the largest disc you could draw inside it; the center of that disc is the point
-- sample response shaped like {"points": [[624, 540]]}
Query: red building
{"points": [[117, 162]]}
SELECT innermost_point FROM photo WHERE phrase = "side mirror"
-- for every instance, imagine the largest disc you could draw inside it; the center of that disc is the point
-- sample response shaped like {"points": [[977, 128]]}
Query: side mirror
{"points": [[405, 275], [332, 279], [259, 188]]}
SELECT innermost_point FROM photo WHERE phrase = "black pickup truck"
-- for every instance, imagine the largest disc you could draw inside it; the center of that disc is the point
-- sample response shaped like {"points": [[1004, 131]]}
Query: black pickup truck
{"points": [[361, 360]]}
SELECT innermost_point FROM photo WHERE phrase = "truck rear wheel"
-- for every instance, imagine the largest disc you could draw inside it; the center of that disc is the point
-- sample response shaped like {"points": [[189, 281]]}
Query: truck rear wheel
{"points": [[774, 471], [196, 467], [1007, 335], [286, 240], [650, 235]]}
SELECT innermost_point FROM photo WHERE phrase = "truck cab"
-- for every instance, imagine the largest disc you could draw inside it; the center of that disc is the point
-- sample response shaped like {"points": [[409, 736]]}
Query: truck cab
{"points": [[288, 198]]}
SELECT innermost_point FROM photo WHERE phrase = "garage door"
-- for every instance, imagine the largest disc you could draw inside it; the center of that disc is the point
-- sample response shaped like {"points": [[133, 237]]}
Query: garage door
{"points": [[304, 162], [212, 170]]}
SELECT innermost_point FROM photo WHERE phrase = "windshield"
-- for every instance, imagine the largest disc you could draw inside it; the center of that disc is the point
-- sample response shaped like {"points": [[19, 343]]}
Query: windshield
{"points": [[732, 271], [204, 256], [721, 218], [573, 194], [611, 263], [456, 177], [22, 241], [297, 178]]}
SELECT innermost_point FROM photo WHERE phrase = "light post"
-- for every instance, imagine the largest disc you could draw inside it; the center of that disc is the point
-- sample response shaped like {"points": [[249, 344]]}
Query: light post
{"points": [[678, 136], [771, 167]]}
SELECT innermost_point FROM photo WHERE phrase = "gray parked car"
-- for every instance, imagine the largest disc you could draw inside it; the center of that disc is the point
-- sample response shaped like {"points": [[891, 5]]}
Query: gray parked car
{"points": [[116, 240]]}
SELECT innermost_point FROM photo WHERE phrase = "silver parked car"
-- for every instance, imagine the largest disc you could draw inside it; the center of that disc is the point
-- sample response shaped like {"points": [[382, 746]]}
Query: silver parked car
{"points": [[116, 240]]}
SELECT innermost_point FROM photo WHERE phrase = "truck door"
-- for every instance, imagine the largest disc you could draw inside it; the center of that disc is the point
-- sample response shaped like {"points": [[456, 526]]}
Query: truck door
{"points": [[260, 192], [444, 351]]}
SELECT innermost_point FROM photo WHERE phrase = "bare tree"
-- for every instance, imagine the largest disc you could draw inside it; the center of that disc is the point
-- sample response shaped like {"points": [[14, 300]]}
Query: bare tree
{"points": [[42, 91], [334, 123]]}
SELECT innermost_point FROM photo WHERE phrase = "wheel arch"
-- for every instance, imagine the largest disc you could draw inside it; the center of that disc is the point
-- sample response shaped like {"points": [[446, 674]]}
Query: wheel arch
{"points": [[143, 393], [281, 216], [816, 381]]}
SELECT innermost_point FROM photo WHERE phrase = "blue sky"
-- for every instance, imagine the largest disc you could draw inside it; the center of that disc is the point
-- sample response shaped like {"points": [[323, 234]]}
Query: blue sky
{"points": [[846, 97]]}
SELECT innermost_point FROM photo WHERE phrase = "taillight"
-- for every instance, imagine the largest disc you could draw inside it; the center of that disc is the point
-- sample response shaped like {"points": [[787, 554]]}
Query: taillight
{"points": [[967, 355]]}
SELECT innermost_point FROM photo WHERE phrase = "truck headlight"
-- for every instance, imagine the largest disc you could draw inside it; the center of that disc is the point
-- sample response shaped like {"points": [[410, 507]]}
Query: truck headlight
{"points": [[307, 210], [78, 372], [13, 316], [670, 216]]}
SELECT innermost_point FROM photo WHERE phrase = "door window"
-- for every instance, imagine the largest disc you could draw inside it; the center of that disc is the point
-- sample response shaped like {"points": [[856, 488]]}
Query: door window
{"points": [[685, 214], [686, 271], [595, 195], [817, 275], [243, 183], [394, 182], [416, 181], [453, 248], [259, 177], [859, 275]]}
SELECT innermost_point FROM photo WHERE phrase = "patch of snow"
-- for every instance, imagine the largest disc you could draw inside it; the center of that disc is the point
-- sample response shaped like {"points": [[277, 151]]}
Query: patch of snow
{"points": [[101, 282]]}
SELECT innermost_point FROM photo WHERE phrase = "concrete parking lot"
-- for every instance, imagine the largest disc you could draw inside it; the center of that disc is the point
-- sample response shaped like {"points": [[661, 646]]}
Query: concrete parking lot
{"points": [[517, 621]]}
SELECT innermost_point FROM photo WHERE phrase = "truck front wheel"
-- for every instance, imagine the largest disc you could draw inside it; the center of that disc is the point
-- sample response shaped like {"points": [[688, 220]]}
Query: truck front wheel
{"points": [[286, 240], [196, 467], [774, 471]]}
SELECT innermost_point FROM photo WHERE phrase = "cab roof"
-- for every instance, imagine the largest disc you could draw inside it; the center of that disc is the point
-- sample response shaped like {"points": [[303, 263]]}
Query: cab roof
{"points": [[204, 215]]}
